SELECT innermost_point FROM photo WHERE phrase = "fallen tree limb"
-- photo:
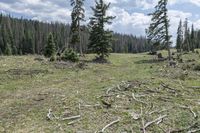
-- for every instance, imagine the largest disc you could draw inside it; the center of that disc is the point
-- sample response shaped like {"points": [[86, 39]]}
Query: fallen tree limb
{"points": [[158, 121], [194, 87], [49, 115], [73, 122], [190, 109], [110, 124], [184, 129], [133, 96], [167, 87], [194, 131], [71, 118], [108, 91]]}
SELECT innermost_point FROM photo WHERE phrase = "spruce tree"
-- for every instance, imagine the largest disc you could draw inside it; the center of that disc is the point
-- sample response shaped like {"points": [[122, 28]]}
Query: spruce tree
{"points": [[50, 48], [192, 39], [77, 16], [186, 45], [100, 39], [158, 31], [179, 40]]}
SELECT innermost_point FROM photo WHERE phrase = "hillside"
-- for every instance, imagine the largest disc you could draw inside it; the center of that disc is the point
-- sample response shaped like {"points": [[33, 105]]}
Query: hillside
{"points": [[141, 94]]}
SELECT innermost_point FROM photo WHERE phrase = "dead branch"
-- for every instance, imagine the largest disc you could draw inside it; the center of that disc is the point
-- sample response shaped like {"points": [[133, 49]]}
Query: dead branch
{"points": [[71, 118], [160, 111], [169, 88], [133, 96], [194, 87], [73, 122], [158, 121], [96, 105], [181, 84], [110, 124], [49, 115], [184, 129], [108, 91], [190, 109], [194, 131]]}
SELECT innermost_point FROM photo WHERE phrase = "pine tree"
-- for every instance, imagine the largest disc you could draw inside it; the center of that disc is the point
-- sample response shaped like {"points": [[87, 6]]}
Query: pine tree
{"points": [[50, 48], [158, 31], [77, 16], [179, 40], [100, 39], [186, 45], [192, 39]]}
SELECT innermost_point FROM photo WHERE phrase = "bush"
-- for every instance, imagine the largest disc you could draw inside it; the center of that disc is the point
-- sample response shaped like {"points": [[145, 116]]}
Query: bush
{"points": [[70, 55]]}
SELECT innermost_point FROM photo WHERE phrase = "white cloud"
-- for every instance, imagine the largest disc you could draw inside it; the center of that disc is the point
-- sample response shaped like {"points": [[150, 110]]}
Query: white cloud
{"points": [[130, 15]]}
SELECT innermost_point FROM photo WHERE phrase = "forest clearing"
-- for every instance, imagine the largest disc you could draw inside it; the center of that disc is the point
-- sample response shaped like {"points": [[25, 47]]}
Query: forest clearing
{"points": [[103, 66], [154, 98]]}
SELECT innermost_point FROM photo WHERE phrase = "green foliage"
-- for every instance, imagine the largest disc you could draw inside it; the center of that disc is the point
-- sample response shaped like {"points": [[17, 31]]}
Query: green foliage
{"points": [[192, 39], [23, 30], [50, 49], [70, 55], [77, 16], [14, 50], [158, 31], [100, 39], [186, 43], [179, 40], [1, 52], [8, 50]]}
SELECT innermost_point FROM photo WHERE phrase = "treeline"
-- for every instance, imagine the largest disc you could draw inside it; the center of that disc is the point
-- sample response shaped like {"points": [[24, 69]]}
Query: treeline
{"points": [[188, 39], [23, 36]]}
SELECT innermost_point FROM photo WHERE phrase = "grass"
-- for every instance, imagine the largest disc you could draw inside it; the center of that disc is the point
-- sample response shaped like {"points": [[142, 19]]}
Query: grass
{"points": [[25, 97]]}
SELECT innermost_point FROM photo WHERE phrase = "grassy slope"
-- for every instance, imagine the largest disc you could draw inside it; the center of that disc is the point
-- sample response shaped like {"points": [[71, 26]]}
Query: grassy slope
{"points": [[25, 99]]}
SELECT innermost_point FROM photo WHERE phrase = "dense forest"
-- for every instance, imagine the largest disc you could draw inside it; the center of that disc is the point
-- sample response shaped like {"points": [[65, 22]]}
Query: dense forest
{"points": [[23, 36]]}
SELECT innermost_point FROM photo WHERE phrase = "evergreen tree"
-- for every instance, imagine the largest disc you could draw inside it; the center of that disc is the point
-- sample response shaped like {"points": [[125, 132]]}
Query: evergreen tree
{"points": [[186, 45], [158, 31], [50, 48], [192, 39], [100, 39], [30, 36], [179, 40], [77, 16]]}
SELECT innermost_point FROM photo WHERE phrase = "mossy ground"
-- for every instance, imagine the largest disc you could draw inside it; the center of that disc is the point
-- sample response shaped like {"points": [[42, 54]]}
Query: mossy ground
{"points": [[28, 94]]}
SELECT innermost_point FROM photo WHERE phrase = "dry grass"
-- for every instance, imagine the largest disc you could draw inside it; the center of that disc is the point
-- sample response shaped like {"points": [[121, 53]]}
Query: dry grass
{"points": [[29, 88]]}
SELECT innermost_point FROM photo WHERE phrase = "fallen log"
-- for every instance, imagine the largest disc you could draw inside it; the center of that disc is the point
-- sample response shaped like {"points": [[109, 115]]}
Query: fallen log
{"points": [[158, 121], [133, 96], [110, 124], [72, 117]]}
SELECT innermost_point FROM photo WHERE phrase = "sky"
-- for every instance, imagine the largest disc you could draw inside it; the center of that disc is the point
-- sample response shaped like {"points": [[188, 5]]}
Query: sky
{"points": [[131, 15]]}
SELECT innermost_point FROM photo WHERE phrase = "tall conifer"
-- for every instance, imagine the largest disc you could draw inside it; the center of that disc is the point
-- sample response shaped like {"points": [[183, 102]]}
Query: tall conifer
{"points": [[100, 39]]}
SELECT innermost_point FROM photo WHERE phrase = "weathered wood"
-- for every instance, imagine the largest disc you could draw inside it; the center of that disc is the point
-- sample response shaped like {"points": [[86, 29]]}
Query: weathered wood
{"points": [[158, 120], [110, 124], [71, 117]]}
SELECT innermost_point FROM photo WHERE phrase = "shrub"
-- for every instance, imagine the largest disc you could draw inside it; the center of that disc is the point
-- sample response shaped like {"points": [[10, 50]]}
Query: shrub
{"points": [[70, 55]]}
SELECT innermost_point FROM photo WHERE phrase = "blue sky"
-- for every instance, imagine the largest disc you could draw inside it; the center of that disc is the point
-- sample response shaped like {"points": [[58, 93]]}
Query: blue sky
{"points": [[131, 15]]}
